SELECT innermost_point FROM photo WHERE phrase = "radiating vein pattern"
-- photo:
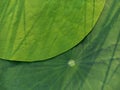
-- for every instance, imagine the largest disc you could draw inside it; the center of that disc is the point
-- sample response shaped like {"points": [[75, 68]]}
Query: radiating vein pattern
{"points": [[94, 64], [44, 28]]}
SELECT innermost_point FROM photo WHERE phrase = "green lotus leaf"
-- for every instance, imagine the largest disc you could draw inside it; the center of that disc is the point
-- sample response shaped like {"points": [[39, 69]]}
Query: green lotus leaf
{"points": [[94, 64], [32, 30]]}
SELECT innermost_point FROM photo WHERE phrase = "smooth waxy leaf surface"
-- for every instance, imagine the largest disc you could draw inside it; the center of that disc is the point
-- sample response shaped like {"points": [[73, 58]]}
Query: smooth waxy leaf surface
{"points": [[33, 30], [94, 64]]}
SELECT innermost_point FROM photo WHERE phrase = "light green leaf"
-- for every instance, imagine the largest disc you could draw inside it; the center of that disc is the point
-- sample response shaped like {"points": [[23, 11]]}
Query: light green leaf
{"points": [[94, 64], [32, 30]]}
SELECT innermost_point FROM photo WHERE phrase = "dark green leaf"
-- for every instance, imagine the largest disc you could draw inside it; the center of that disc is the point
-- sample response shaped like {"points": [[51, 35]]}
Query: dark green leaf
{"points": [[94, 64]]}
